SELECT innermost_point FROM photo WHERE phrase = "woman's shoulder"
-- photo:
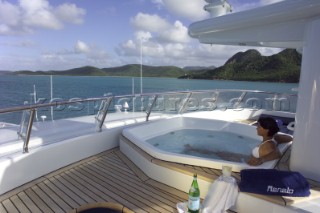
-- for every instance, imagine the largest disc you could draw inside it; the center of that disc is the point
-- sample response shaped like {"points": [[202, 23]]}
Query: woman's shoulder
{"points": [[269, 144]]}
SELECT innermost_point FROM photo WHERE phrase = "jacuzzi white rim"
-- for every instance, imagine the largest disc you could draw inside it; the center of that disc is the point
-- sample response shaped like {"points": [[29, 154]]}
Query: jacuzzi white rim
{"points": [[194, 160]]}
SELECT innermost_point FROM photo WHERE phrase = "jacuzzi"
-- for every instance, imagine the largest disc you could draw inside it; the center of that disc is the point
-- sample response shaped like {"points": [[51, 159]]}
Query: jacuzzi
{"points": [[142, 134]]}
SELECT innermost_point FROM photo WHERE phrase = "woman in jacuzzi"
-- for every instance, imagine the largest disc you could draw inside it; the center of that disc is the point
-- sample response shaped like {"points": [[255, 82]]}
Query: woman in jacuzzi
{"points": [[266, 151]]}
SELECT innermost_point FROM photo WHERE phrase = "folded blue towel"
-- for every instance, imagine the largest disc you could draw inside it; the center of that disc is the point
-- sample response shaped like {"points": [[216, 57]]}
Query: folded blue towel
{"points": [[274, 182]]}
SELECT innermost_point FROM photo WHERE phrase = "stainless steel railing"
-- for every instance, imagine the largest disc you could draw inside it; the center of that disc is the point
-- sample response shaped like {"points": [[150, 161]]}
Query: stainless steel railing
{"points": [[182, 105]]}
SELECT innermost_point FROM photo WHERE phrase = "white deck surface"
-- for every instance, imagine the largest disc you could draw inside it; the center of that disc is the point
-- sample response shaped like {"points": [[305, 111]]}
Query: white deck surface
{"points": [[48, 132]]}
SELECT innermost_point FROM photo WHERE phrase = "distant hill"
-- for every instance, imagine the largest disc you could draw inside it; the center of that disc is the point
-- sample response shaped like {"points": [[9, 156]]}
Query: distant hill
{"points": [[252, 66], [127, 70], [195, 68], [4, 72], [148, 71], [243, 66]]}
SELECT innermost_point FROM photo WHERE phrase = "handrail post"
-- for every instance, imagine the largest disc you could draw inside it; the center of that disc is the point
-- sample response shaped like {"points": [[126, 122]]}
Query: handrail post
{"points": [[240, 99], [274, 105], [103, 109], [184, 104], [151, 107], [29, 128]]}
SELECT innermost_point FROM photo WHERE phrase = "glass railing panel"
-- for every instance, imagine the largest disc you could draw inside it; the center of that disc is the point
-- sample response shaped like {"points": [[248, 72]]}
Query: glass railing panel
{"points": [[286, 102], [167, 103], [228, 99], [268, 101], [201, 101], [12, 118], [75, 108]]}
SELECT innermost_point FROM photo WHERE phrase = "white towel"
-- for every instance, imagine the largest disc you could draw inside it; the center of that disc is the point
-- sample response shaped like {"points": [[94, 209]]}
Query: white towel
{"points": [[221, 196]]}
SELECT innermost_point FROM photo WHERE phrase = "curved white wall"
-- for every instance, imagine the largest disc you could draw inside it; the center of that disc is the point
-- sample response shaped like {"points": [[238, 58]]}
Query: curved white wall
{"points": [[306, 145]]}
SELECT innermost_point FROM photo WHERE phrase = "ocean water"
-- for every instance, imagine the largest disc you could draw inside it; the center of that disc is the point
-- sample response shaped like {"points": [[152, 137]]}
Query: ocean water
{"points": [[17, 90]]}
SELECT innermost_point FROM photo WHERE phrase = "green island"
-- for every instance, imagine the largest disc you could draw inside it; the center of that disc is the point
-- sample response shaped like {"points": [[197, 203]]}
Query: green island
{"points": [[243, 66]]}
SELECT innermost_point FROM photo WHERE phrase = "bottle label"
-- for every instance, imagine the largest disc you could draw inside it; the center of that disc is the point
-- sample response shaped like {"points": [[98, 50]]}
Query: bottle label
{"points": [[192, 190], [193, 203]]}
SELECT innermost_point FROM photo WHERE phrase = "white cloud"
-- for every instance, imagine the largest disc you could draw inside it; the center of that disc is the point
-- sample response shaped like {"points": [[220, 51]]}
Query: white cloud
{"points": [[128, 48], [4, 29], [9, 14], [161, 39], [82, 54], [50, 56], [27, 16], [90, 52], [153, 50], [130, 45], [42, 19], [175, 50], [176, 33], [268, 51], [37, 13], [161, 29], [191, 9], [34, 5], [70, 13], [147, 22], [81, 47], [143, 36]]}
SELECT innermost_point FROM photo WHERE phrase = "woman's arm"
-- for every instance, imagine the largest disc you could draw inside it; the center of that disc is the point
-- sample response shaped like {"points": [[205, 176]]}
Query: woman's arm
{"points": [[282, 138], [258, 161]]}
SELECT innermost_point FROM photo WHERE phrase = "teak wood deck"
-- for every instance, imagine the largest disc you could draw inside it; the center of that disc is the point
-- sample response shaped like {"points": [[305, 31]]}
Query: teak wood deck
{"points": [[107, 177]]}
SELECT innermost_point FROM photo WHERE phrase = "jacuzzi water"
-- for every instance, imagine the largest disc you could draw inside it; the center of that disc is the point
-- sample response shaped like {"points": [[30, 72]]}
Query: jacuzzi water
{"points": [[206, 143], [199, 142]]}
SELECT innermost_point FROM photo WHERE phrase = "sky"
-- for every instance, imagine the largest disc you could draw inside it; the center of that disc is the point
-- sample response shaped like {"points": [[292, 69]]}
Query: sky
{"points": [[65, 34]]}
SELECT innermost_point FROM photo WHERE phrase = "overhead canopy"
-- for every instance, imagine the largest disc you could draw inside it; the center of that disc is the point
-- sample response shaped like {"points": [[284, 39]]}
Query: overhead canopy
{"points": [[277, 25]]}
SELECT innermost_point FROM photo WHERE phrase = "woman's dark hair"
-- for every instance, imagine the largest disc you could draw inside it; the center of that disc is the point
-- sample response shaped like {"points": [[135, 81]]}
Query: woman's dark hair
{"points": [[270, 124]]}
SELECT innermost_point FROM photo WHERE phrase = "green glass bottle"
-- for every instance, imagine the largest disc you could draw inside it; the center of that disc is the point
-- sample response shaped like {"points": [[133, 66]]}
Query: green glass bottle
{"points": [[194, 196]]}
